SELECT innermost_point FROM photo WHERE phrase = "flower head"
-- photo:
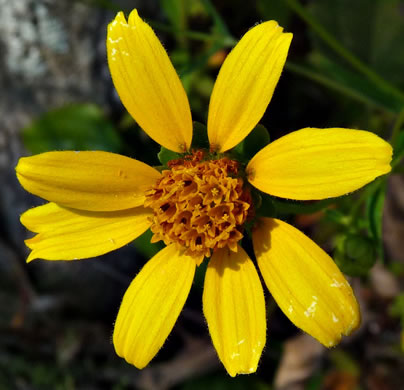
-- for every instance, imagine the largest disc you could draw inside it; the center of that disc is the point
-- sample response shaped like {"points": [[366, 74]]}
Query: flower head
{"points": [[200, 204]]}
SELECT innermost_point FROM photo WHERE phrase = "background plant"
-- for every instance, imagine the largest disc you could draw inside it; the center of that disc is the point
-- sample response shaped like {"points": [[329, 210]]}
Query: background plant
{"points": [[344, 68]]}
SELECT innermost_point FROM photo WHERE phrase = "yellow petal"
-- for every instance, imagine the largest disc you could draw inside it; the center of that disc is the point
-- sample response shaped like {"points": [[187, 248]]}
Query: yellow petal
{"points": [[314, 164], [151, 305], [305, 282], [97, 181], [245, 84], [234, 307], [67, 234], [147, 83]]}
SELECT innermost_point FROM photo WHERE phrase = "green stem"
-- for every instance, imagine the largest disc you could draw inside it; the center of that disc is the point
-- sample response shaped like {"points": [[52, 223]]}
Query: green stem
{"points": [[195, 35], [397, 127], [367, 192], [372, 187], [331, 84], [296, 6], [397, 161], [219, 22], [183, 38]]}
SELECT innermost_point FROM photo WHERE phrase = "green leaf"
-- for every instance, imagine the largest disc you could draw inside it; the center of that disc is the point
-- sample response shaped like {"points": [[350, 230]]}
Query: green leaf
{"points": [[357, 247], [200, 136], [362, 87], [264, 203], [374, 211], [372, 30], [336, 216], [200, 274], [355, 254], [253, 143], [72, 127], [165, 155], [145, 247]]}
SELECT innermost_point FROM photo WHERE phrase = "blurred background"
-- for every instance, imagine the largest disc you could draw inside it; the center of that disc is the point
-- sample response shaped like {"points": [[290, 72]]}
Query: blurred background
{"points": [[345, 69]]}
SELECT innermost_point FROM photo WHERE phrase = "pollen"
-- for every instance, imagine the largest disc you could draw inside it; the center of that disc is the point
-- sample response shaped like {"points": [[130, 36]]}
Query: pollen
{"points": [[201, 205]]}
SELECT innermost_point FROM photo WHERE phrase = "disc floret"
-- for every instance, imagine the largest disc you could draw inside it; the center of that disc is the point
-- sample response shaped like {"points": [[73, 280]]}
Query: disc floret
{"points": [[200, 204]]}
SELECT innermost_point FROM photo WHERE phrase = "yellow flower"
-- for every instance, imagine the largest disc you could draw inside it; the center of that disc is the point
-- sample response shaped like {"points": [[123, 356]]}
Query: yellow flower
{"points": [[198, 206]]}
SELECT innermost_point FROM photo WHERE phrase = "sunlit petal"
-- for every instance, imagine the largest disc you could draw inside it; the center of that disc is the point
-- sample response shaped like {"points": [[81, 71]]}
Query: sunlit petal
{"points": [[67, 234], [147, 83], [245, 84], [97, 181], [314, 164], [305, 282], [151, 305], [234, 307]]}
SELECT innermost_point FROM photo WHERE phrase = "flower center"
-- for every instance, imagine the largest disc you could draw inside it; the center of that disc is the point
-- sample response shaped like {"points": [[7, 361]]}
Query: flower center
{"points": [[200, 205]]}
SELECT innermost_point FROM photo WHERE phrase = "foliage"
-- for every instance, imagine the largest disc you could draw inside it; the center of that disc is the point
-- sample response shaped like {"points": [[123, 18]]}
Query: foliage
{"points": [[72, 127]]}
